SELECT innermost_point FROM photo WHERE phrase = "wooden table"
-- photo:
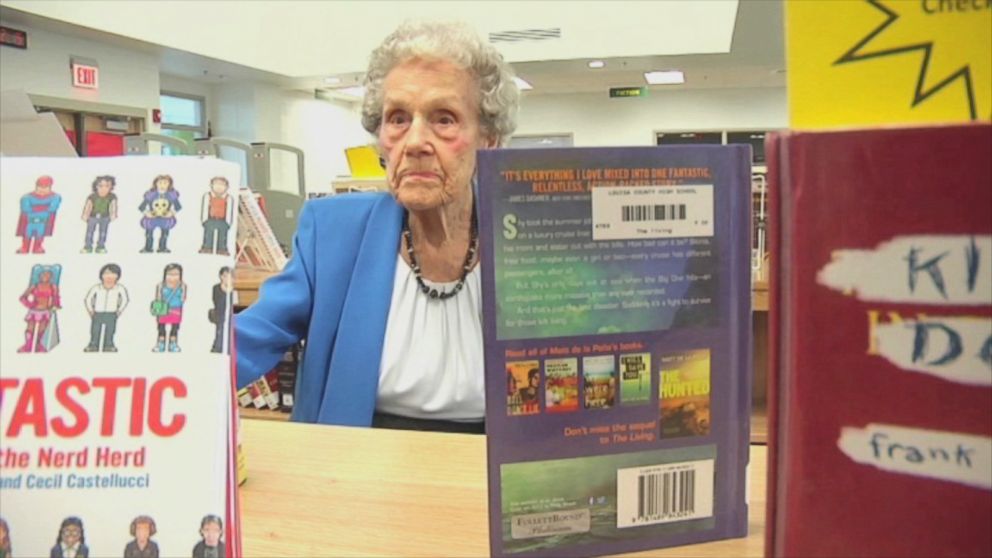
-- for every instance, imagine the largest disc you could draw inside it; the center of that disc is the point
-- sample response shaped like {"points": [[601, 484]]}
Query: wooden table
{"points": [[335, 491]]}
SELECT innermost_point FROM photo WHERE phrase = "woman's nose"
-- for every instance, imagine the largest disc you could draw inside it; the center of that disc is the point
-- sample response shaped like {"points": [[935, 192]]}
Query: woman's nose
{"points": [[418, 137]]}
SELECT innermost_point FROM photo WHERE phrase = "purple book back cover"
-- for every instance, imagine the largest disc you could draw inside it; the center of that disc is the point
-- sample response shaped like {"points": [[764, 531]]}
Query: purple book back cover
{"points": [[617, 325]]}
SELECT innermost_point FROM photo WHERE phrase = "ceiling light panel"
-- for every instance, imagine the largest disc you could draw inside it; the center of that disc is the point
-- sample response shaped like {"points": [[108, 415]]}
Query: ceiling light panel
{"points": [[664, 77]]}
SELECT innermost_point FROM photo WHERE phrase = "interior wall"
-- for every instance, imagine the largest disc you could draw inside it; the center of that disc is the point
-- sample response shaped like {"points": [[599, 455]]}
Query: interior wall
{"points": [[323, 129], [127, 77], [254, 112], [596, 120]]}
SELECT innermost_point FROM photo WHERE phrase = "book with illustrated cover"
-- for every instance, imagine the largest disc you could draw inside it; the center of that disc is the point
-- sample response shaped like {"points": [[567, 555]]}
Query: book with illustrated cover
{"points": [[685, 393], [603, 270], [635, 378], [880, 392], [117, 416], [561, 376]]}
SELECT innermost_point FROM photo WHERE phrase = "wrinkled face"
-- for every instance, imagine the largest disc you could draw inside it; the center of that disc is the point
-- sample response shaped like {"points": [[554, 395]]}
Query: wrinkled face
{"points": [[71, 534], [160, 207], [211, 534], [172, 278], [103, 188], [162, 185], [142, 531], [108, 278], [219, 187], [430, 132]]}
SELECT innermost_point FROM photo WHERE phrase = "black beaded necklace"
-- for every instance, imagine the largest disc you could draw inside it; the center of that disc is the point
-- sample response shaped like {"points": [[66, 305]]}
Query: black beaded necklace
{"points": [[473, 245]]}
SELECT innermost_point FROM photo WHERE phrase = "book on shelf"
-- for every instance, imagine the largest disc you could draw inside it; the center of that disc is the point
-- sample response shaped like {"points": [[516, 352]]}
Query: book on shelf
{"points": [[616, 321], [256, 242], [286, 371], [117, 418], [275, 390], [880, 386]]}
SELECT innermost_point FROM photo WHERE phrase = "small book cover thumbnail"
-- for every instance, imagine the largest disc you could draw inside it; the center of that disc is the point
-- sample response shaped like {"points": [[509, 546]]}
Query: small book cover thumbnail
{"points": [[523, 381], [600, 379], [685, 394], [561, 381], [635, 378]]}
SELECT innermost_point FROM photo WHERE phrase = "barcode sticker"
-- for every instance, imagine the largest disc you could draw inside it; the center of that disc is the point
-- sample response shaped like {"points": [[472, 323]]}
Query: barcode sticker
{"points": [[645, 212], [664, 493]]}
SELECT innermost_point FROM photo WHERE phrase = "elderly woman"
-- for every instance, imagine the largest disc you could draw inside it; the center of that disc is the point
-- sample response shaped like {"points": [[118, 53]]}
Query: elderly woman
{"points": [[385, 288]]}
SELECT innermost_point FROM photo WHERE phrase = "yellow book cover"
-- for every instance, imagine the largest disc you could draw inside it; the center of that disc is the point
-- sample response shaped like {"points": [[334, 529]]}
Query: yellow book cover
{"points": [[870, 62]]}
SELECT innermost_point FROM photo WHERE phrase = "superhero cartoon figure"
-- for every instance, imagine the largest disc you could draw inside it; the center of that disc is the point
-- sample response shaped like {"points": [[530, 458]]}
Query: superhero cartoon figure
{"points": [[37, 220], [42, 300], [159, 206]]}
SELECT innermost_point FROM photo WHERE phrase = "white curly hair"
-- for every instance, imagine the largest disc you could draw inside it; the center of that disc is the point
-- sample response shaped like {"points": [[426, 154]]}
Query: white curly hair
{"points": [[456, 43]]}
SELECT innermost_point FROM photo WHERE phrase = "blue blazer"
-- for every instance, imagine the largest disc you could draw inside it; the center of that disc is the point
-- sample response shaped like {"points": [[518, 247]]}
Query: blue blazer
{"points": [[335, 292]]}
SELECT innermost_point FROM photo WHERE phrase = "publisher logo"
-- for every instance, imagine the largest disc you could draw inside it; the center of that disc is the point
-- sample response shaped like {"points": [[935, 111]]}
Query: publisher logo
{"points": [[550, 523]]}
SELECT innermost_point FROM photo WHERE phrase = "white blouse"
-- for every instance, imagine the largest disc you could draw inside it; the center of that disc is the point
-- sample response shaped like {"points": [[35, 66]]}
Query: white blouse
{"points": [[432, 363]]}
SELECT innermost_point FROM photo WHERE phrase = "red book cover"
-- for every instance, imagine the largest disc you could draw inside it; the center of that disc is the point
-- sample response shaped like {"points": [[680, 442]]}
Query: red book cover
{"points": [[880, 417]]}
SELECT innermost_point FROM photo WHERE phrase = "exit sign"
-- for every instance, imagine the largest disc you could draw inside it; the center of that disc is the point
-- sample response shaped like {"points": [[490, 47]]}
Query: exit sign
{"points": [[628, 92], [85, 75]]}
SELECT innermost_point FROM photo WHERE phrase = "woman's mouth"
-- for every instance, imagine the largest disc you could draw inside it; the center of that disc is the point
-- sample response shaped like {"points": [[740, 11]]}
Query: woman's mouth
{"points": [[421, 175]]}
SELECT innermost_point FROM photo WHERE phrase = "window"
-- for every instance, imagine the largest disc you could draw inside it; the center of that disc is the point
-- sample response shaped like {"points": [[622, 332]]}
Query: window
{"points": [[183, 117], [181, 111]]}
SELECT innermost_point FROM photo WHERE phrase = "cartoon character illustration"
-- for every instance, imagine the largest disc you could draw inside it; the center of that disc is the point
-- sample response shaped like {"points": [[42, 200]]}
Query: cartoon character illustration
{"points": [[159, 206], [105, 301], [71, 540], [529, 396], [142, 529], [100, 209], [217, 215], [42, 301], [211, 545], [513, 399], [5, 551], [219, 315], [523, 380], [170, 295], [37, 220]]}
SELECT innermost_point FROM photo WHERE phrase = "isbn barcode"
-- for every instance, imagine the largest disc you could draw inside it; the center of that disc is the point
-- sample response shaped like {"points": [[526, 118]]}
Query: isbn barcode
{"points": [[657, 212], [664, 493]]}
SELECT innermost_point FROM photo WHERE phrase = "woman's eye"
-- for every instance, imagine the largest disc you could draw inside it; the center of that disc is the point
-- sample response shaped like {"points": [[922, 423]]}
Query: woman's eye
{"points": [[398, 119], [445, 120]]}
